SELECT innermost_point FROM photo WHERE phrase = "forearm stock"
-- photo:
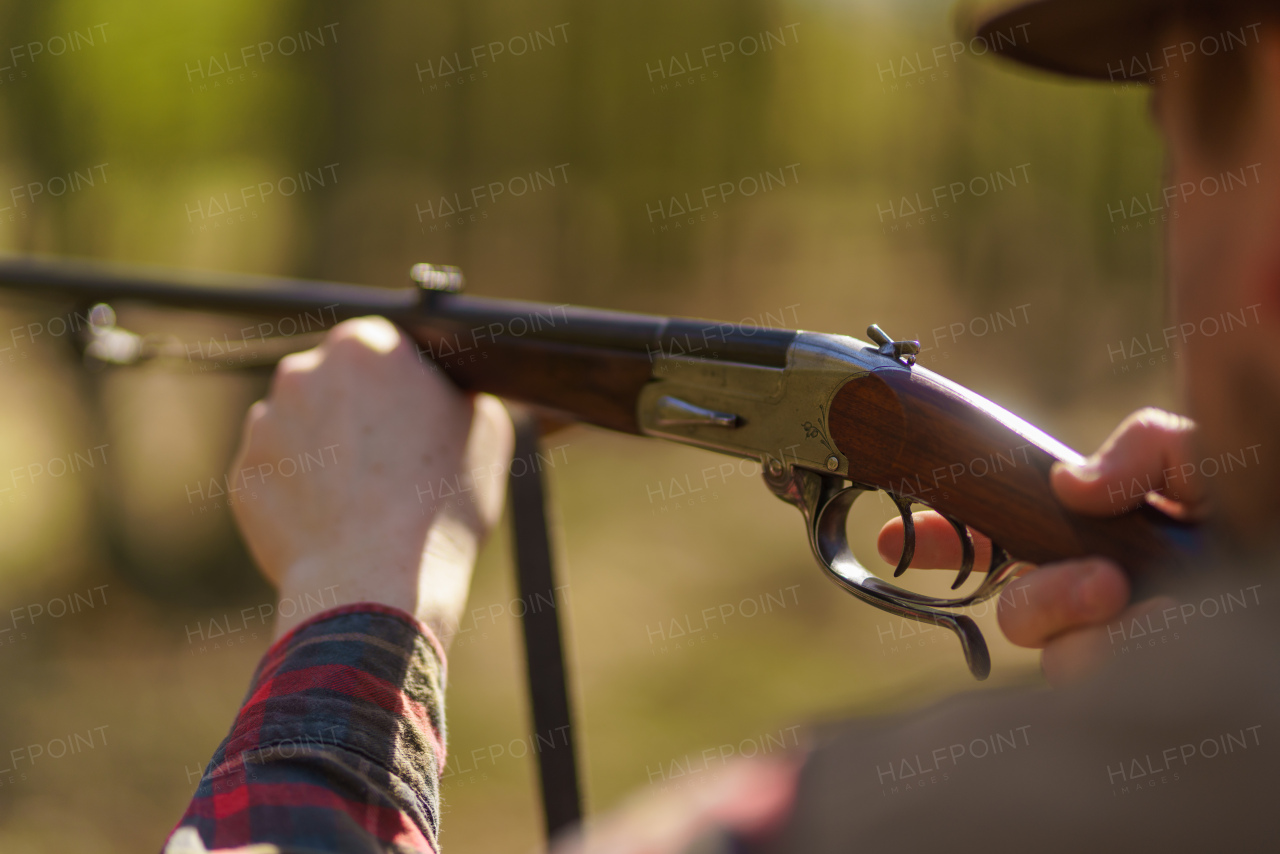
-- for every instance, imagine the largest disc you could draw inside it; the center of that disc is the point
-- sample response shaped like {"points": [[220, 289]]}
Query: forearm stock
{"points": [[595, 385], [589, 364]]}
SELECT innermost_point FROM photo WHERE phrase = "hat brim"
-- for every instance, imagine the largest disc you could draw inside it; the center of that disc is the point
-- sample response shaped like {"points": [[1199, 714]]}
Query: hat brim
{"points": [[1095, 39]]}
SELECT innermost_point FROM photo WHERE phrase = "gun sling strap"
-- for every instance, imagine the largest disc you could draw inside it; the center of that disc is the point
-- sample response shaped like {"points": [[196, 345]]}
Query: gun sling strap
{"points": [[543, 647]]}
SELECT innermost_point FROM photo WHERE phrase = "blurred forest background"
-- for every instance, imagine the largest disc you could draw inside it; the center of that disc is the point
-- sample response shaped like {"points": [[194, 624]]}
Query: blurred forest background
{"points": [[173, 109]]}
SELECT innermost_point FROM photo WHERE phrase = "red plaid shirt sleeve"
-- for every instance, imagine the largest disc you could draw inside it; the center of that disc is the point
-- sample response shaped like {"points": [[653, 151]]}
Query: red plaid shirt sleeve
{"points": [[338, 746]]}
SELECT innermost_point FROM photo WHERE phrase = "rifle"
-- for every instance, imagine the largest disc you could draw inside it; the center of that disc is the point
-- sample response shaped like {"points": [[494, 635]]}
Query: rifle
{"points": [[828, 417]]}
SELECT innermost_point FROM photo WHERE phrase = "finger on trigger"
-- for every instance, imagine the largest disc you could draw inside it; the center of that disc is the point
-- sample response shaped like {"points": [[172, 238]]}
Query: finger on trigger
{"points": [[937, 544]]}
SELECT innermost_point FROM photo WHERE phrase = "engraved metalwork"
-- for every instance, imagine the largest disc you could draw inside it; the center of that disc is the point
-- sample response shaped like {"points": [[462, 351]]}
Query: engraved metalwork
{"points": [[775, 407]]}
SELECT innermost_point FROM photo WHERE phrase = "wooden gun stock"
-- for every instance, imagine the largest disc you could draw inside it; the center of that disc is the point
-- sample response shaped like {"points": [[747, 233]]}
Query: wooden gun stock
{"points": [[915, 434]]}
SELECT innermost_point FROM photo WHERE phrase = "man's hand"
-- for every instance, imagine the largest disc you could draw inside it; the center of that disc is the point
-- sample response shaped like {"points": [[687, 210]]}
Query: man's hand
{"points": [[343, 467], [1064, 608]]}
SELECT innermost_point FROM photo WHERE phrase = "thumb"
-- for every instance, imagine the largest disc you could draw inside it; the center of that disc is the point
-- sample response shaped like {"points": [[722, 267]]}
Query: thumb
{"points": [[1149, 452]]}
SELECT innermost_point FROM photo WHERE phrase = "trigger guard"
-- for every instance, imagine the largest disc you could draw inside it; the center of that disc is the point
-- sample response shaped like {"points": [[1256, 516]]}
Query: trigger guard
{"points": [[825, 501], [831, 545]]}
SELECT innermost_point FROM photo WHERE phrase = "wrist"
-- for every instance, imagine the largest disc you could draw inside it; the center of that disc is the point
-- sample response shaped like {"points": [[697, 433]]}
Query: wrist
{"points": [[430, 584]]}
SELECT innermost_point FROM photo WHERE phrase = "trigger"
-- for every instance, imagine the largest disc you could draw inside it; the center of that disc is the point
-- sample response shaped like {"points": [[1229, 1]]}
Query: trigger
{"points": [[966, 543], [908, 533]]}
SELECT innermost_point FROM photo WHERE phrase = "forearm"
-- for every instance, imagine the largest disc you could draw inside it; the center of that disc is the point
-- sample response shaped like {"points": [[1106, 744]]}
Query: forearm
{"points": [[338, 746]]}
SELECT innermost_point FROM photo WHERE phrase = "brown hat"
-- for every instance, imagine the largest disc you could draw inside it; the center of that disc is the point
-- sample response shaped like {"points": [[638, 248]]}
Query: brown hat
{"points": [[1108, 39]]}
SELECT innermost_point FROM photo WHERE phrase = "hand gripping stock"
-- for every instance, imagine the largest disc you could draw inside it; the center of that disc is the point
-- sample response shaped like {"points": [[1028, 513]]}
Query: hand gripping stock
{"points": [[925, 439], [844, 418]]}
